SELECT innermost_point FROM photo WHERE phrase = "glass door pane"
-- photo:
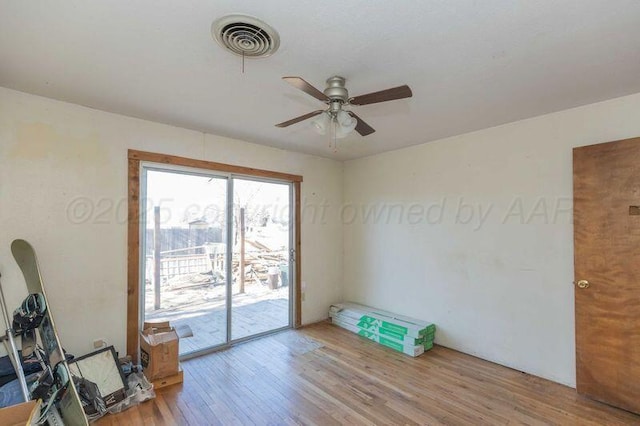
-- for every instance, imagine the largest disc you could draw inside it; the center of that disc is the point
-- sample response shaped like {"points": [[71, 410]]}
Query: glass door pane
{"points": [[185, 265], [261, 290]]}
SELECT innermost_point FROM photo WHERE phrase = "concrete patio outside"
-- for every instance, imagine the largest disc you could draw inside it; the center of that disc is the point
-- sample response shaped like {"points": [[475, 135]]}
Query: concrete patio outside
{"points": [[202, 308]]}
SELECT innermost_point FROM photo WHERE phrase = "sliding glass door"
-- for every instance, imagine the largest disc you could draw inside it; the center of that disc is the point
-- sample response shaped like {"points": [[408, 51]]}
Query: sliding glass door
{"points": [[215, 254], [262, 240]]}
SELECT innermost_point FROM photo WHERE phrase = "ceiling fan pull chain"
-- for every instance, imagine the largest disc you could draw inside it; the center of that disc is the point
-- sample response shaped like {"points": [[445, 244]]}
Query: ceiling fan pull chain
{"points": [[330, 133], [333, 135]]}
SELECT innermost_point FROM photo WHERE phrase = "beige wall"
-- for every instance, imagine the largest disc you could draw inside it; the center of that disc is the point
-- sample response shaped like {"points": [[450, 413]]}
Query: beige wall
{"points": [[477, 234], [52, 153], [472, 232]]}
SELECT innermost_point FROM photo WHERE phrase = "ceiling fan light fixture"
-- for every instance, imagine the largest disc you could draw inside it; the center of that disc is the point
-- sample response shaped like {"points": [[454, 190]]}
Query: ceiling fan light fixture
{"points": [[341, 132], [343, 124], [347, 122], [321, 124]]}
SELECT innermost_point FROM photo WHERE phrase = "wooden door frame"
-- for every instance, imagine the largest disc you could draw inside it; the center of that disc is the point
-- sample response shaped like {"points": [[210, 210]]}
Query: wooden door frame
{"points": [[133, 230]]}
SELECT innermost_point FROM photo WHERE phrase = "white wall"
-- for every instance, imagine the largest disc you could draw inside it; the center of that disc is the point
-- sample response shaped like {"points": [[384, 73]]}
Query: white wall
{"points": [[52, 153], [498, 287]]}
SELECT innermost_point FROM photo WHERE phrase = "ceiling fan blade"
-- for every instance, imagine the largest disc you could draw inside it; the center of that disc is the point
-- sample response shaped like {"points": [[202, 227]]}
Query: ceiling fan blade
{"points": [[399, 92], [363, 128], [299, 119], [301, 84]]}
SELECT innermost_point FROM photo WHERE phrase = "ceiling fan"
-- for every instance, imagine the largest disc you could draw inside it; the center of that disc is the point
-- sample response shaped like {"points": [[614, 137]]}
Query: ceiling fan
{"points": [[337, 97]]}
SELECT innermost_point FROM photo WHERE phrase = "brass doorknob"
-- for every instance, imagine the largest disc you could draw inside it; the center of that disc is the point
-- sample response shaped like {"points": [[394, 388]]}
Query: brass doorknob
{"points": [[582, 284]]}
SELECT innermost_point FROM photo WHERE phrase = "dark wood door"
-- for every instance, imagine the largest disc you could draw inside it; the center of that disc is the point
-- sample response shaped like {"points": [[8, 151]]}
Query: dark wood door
{"points": [[606, 191]]}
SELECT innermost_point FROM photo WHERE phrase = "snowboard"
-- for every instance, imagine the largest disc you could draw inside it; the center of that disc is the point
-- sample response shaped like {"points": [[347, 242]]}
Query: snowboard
{"points": [[66, 401]]}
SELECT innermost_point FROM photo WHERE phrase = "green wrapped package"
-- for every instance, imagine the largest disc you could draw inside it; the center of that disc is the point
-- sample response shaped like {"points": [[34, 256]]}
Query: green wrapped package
{"points": [[382, 319], [412, 350], [383, 331], [404, 334]]}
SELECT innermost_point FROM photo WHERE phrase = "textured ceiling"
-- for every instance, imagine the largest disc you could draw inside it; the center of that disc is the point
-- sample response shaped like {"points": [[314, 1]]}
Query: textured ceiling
{"points": [[471, 64]]}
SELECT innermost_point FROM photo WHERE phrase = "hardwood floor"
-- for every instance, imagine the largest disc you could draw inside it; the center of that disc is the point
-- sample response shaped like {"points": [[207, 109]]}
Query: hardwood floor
{"points": [[324, 375]]}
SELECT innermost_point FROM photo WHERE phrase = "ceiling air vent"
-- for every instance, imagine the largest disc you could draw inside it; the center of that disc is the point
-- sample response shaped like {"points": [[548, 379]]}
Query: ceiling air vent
{"points": [[245, 36]]}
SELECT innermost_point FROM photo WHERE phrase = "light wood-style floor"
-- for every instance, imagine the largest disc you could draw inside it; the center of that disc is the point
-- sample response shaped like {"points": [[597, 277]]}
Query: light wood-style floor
{"points": [[324, 375]]}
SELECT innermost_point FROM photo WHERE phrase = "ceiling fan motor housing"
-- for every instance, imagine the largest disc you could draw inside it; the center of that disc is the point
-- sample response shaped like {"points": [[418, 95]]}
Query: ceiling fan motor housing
{"points": [[335, 89]]}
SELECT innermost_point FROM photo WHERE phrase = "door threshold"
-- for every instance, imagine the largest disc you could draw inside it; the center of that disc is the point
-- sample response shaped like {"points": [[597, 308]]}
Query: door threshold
{"points": [[207, 351]]}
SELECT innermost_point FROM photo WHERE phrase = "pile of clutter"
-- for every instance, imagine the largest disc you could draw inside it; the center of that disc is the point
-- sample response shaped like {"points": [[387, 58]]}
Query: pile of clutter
{"points": [[41, 383], [105, 383], [100, 390]]}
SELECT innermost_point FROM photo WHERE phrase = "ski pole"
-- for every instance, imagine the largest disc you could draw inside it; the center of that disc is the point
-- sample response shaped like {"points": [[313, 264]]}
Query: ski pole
{"points": [[14, 356]]}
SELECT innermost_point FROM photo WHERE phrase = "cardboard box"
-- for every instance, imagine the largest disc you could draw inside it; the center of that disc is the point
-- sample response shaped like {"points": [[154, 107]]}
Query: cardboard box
{"points": [[25, 414], [169, 380], [159, 350]]}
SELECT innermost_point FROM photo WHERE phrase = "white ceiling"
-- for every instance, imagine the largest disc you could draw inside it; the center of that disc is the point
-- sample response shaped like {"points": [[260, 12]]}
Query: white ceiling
{"points": [[471, 64]]}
